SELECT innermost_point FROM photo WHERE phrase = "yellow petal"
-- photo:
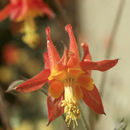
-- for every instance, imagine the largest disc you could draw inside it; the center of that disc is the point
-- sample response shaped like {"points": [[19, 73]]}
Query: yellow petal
{"points": [[56, 88], [85, 81]]}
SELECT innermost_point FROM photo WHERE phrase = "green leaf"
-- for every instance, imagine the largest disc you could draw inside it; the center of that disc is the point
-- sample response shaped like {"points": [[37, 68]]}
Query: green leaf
{"points": [[14, 85]]}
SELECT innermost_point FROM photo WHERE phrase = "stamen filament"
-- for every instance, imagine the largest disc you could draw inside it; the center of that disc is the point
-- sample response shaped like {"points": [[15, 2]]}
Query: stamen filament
{"points": [[70, 104]]}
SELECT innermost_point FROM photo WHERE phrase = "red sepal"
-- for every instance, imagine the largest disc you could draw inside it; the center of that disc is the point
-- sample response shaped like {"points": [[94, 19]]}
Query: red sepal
{"points": [[54, 108], [100, 65], [13, 1], [46, 9], [34, 83], [16, 10], [5, 12], [93, 100]]}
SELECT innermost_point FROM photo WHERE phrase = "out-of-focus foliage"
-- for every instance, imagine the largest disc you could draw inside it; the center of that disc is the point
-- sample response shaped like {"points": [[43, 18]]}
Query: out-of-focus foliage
{"points": [[19, 61]]}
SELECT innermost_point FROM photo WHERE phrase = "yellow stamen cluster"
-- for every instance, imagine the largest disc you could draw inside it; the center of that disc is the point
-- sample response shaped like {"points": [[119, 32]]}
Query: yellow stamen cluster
{"points": [[30, 36], [70, 104]]}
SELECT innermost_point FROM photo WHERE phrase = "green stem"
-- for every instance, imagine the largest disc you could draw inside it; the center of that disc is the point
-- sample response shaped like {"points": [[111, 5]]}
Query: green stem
{"points": [[111, 41], [93, 117], [83, 119], [3, 112]]}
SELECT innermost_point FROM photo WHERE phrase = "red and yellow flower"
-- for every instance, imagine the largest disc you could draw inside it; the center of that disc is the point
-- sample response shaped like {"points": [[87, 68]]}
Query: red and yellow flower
{"points": [[25, 11], [69, 80], [19, 10]]}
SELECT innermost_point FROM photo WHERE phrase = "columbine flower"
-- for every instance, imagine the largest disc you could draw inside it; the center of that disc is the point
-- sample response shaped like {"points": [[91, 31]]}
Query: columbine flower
{"points": [[69, 80], [26, 10], [18, 10]]}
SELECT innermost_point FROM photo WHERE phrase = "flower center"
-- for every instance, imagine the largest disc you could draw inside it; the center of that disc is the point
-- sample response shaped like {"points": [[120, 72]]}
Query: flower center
{"points": [[70, 103]]}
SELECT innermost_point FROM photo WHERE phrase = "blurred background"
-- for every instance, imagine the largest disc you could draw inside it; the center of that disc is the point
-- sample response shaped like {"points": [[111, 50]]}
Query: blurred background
{"points": [[105, 26]]}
